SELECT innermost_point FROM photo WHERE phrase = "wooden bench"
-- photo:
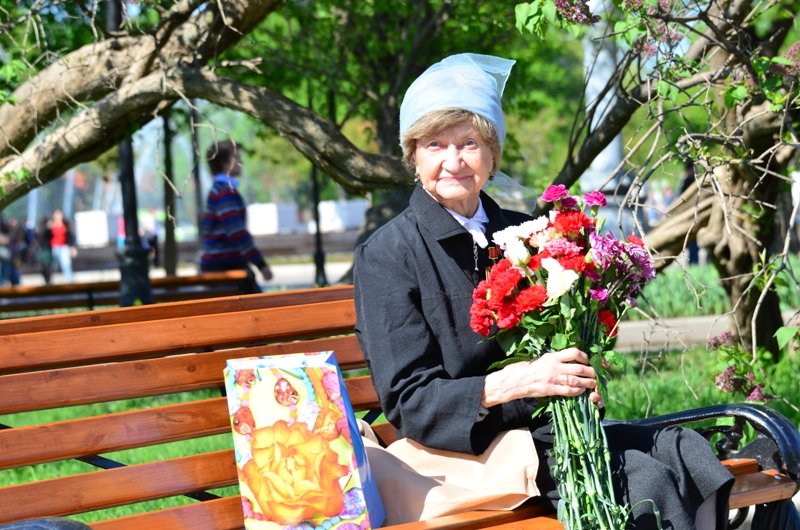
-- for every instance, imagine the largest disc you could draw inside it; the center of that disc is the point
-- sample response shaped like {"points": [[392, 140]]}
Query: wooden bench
{"points": [[61, 377], [90, 295]]}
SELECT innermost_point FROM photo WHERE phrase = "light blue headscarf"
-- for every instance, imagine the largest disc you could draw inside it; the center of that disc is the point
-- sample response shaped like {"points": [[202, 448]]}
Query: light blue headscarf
{"points": [[468, 81]]}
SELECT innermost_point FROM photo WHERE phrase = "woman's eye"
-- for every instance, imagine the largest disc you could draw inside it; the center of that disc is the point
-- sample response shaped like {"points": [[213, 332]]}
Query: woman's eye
{"points": [[433, 144], [470, 143]]}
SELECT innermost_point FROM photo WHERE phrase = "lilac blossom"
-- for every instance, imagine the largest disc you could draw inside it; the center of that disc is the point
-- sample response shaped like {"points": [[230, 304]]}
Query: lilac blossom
{"points": [[725, 380], [723, 339], [576, 11], [757, 394]]}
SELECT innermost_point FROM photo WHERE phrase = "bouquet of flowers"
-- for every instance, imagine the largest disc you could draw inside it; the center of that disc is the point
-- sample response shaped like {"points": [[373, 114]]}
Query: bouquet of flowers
{"points": [[561, 283]]}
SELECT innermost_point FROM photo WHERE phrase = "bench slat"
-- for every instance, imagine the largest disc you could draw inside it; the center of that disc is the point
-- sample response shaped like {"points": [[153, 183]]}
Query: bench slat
{"points": [[148, 377], [122, 315], [137, 428], [761, 487], [741, 466], [222, 514], [482, 519], [42, 350], [107, 292], [112, 432], [218, 514], [114, 487]]}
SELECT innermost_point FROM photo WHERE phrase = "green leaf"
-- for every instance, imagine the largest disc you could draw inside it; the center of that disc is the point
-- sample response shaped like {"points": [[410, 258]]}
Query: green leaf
{"points": [[735, 95], [549, 11], [786, 334], [523, 12], [782, 60], [559, 341]]}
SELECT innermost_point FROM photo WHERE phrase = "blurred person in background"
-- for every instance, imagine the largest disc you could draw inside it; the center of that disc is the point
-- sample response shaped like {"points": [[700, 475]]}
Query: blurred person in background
{"points": [[62, 244], [226, 243]]}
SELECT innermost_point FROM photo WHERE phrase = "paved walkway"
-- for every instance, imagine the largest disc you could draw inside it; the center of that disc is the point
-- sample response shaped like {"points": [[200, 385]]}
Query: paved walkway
{"points": [[294, 276]]}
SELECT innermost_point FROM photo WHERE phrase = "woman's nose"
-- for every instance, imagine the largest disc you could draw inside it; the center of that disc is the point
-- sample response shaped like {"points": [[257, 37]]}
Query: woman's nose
{"points": [[452, 158]]}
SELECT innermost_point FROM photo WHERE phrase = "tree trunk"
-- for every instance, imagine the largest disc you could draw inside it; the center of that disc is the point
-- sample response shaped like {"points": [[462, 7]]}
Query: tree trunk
{"points": [[734, 239]]}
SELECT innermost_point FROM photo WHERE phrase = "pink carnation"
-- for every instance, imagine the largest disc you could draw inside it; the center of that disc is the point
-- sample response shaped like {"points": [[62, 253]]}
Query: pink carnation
{"points": [[595, 198], [555, 193]]}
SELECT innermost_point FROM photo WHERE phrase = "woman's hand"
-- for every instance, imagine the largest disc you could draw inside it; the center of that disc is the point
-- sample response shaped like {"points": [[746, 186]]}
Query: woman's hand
{"points": [[562, 373]]}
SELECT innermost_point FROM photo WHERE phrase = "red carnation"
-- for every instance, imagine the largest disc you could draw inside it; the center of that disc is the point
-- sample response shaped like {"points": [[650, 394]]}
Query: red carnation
{"points": [[507, 314], [535, 262], [481, 318], [609, 321], [575, 263], [503, 280], [570, 223], [635, 240], [531, 299]]}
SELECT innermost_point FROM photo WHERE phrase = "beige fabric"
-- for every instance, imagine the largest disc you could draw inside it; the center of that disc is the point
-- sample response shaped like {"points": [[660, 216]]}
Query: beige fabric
{"points": [[418, 483]]}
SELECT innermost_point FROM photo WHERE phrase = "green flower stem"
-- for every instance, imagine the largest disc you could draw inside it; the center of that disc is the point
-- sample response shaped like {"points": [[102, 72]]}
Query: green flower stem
{"points": [[583, 467]]}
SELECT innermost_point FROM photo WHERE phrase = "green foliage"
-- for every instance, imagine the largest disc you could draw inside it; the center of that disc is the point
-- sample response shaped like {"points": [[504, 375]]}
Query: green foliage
{"points": [[787, 337], [651, 385], [535, 17]]}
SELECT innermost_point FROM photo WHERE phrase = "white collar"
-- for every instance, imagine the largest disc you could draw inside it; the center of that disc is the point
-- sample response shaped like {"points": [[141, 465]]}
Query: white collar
{"points": [[474, 224]]}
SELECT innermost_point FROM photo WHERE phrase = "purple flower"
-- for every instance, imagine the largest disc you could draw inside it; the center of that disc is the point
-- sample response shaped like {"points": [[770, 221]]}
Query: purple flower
{"points": [[607, 252], [757, 394], [723, 339], [601, 295], [555, 193], [724, 380], [641, 261], [595, 198], [569, 203], [575, 11]]}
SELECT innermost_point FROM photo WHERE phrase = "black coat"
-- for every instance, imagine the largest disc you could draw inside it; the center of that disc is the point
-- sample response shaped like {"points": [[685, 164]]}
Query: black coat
{"points": [[414, 279], [413, 289]]}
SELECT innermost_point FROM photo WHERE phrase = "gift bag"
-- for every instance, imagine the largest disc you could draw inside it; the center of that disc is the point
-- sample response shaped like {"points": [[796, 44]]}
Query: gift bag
{"points": [[300, 458]]}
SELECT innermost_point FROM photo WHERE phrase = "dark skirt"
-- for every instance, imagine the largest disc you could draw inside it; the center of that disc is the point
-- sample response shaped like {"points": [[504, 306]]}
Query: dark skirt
{"points": [[673, 467]]}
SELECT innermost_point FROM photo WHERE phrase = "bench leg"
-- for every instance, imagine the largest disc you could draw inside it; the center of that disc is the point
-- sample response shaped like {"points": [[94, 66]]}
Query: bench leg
{"points": [[46, 523], [776, 515]]}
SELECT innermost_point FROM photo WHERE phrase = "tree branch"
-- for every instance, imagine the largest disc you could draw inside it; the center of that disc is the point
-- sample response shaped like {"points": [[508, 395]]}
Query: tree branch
{"points": [[96, 129]]}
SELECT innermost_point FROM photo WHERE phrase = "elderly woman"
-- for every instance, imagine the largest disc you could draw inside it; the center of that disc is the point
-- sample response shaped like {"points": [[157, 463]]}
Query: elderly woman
{"points": [[414, 280]]}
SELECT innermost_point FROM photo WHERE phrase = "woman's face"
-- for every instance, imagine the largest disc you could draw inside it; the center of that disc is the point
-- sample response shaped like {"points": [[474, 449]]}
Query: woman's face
{"points": [[453, 166]]}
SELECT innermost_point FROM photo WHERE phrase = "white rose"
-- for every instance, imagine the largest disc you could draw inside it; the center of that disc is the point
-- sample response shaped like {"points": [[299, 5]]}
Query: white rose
{"points": [[517, 253], [559, 279]]}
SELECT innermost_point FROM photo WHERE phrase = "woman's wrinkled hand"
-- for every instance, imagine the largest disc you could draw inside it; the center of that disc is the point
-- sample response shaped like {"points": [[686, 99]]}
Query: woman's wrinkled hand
{"points": [[562, 373]]}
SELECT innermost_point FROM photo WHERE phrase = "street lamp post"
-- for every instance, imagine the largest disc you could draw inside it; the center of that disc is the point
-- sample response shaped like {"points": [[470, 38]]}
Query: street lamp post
{"points": [[319, 254], [133, 266]]}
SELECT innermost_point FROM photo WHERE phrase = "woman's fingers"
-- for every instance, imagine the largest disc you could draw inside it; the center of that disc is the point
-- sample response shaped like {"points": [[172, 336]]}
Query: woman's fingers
{"points": [[596, 398], [572, 355], [571, 374]]}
